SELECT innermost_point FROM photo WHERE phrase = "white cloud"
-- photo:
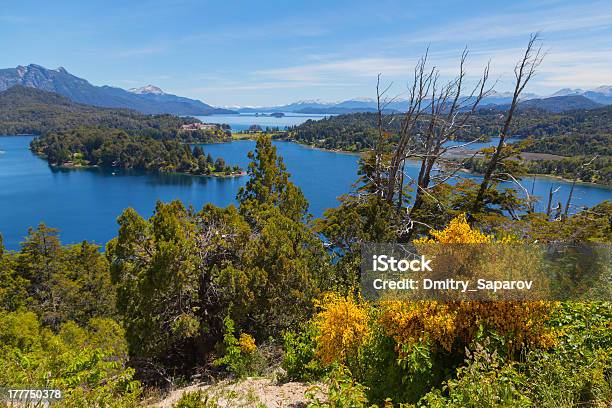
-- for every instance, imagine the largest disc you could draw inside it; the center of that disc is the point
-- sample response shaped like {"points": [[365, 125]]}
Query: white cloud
{"points": [[546, 19], [575, 37]]}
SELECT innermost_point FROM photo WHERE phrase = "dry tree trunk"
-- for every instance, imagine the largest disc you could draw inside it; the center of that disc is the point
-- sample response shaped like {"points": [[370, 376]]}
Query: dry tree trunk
{"points": [[524, 70], [571, 193], [382, 102]]}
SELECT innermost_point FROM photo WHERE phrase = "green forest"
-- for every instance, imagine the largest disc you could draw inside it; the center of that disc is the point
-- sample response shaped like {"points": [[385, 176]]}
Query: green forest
{"points": [[582, 139], [217, 293], [32, 111], [581, 132], [586, 169]]}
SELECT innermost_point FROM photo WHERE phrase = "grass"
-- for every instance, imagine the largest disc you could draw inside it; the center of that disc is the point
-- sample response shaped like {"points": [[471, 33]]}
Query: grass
{"points": [[253, 135], [244, 136]]}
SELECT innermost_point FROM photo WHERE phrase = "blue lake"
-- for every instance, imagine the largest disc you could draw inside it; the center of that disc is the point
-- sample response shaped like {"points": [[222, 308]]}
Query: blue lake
{"points": [[243, 121], [84, 203]]}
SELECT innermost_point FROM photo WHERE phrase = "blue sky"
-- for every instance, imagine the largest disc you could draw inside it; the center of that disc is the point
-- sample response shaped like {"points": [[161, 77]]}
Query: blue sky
{"points": [[272, 52]]}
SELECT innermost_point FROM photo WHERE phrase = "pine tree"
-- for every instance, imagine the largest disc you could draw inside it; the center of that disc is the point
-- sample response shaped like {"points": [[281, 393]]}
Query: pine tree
{"points": [[219, 164], [198, 152], [269, 184]]}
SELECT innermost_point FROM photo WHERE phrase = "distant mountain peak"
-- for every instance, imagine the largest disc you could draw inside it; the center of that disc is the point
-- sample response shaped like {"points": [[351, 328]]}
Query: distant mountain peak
{"points": [[601, 94], [312, 101], [149, 89], [568, 91], [605, 89], [496, 94], [363, 99]]}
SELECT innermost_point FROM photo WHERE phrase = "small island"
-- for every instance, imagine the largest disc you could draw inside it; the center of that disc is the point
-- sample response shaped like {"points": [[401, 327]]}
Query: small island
{"points": [[274, 114]]}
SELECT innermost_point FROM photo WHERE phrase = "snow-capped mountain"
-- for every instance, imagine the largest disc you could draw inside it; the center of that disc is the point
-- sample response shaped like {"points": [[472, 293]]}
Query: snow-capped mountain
{"points": [[601, 94], [560, 101], [605, 90], [149, 89]]}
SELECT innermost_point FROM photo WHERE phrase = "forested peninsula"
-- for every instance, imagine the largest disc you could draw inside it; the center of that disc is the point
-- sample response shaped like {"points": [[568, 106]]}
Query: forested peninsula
{"points": [[570, 145], [76, 135], [585, 132]]}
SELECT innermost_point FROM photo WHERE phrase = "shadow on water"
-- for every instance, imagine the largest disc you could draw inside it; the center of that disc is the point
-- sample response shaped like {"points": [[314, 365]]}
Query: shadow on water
{"points": [[149, 178]]}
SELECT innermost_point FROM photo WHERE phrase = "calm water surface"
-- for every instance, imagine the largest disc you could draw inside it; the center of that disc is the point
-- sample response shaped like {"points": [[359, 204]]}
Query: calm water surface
{"points": [[243, 121], [84, 203]]}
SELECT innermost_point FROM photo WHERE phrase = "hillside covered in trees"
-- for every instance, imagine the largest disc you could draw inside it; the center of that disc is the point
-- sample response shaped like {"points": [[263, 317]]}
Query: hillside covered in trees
{"points": [[584, 132], [586, 169], [25, 110], [76, 135]]}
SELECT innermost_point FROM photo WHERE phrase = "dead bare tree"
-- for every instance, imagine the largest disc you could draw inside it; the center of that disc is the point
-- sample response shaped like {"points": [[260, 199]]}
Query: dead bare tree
{"points": [[382, 103], [524, 70], [435, 114], [417, 96], [551, 192], [449, 113], [571, 193]]}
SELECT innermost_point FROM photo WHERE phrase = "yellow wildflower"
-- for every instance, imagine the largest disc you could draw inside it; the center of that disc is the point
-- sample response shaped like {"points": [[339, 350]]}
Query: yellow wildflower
{"points": [[246, 342], [342, 327], [457, 232]]}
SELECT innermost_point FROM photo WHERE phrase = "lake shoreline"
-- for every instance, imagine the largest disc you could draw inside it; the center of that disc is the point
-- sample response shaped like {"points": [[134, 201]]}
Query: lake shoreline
{"points": [[361, 153], [70, 166], [253, 137]]}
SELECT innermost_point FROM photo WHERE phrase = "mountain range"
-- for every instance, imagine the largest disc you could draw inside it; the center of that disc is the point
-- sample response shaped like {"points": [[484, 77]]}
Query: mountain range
{"points": [[148, 99], [602, 94], [562, 101], [151, 99]]}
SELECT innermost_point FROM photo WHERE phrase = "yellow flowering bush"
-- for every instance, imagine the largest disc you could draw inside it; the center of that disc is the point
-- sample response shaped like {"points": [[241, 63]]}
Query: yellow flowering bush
{"points": [[401, 348], [415, 322], [246, 342], [453, 325], [342, 326], [457, 232]]}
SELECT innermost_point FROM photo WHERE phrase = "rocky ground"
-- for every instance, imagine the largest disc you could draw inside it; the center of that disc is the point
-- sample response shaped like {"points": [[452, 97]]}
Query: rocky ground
{"points": [[251, 392]]}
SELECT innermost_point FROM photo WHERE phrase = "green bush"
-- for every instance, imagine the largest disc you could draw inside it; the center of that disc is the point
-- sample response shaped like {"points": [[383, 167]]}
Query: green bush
{"points": [[299, 360], [342, 392], [240, 359], [194, 399], [578, 371], [402, 377], [485, 381], [88, 364]]}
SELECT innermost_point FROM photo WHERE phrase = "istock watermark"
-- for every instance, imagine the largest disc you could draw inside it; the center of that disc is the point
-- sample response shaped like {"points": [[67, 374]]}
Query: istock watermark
{"points": [[487, 272], [384, 263]]}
